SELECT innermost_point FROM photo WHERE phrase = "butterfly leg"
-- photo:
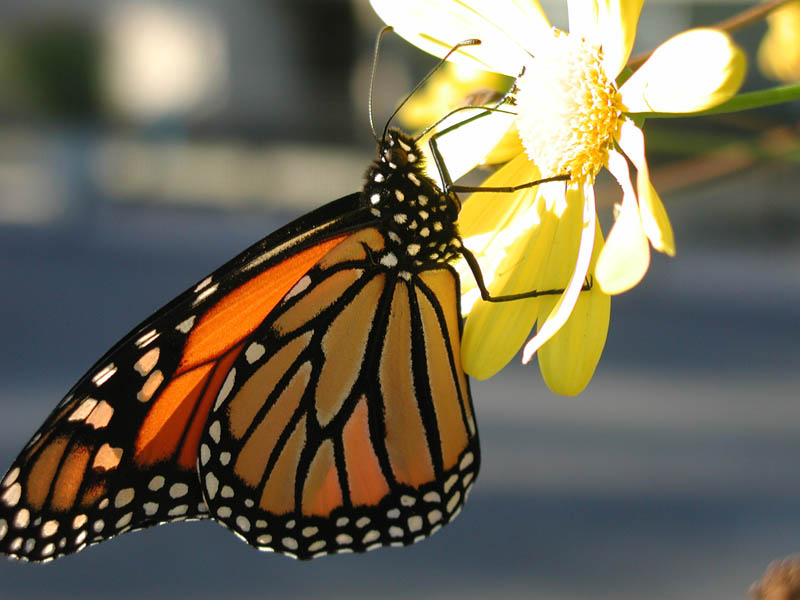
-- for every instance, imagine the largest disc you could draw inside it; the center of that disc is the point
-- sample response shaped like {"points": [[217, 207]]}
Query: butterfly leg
{"points": [[452, 189]]}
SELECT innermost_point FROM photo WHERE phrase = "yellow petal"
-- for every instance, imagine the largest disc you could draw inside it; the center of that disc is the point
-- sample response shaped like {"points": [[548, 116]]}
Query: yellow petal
{"points": [[625, 257], [485, 215], [610, 24], [692, 71], [467, 145], [448, 88], [577, 229], [507, 148], [654, 217], [569, 359], [490, 223], [778, 55], [504, 28], [494, 331]]}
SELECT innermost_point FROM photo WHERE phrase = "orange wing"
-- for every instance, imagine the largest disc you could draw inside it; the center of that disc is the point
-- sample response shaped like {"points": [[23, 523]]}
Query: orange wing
{"points": [[120, 451], [345, 422]]}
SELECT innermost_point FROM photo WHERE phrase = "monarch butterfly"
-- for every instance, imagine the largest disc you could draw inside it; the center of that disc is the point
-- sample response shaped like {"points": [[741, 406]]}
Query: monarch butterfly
{"points": [[308, 394]]}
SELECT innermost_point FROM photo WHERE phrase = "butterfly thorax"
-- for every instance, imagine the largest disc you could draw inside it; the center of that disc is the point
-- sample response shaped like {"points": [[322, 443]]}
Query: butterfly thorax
{"points": [[418, 218]]}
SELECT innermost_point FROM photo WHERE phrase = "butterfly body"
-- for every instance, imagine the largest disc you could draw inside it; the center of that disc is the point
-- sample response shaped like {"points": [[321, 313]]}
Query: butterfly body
{"points": [[308, 395]]}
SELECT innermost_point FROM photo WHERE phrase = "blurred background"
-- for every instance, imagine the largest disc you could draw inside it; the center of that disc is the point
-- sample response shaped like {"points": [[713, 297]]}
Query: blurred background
{"points": [[143, 143]]}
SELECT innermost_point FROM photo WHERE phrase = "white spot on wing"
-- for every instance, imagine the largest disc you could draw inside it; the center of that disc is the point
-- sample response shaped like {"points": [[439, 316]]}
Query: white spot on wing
{"points": [[177, 511], [212, 485], [124, 497], [414, 523], [101, 415], [12, 495], [453, 502], [466, 461], [11, 477], [298, 287], [227, 386], [22, 518], [205, 454], [290, 543], [147, 338], [186, 325], [215, 430], [203, 284], [178, 490], [432, 497], [147, 361], [150, 386], [242, 523], [389, 260], [156, 483], [254, 352], [104, 374], [205, 294], [123, 520], [83, 410], [371, 536]]}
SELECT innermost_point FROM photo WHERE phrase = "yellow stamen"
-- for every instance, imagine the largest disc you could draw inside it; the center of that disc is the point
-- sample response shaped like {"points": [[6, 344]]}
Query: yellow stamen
{"points": [[569, 110]]}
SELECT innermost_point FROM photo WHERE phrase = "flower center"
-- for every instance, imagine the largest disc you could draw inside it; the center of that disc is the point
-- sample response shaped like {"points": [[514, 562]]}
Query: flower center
{"points": [[569, 110]]}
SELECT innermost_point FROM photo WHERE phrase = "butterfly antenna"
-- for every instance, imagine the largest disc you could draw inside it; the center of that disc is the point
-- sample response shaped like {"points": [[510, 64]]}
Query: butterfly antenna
{"points": [[383, 32], [470, 42]]}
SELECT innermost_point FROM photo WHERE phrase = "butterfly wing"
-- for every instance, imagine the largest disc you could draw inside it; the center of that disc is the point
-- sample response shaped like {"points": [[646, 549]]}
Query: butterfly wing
{"points": [[345, 423], [120, 450]]}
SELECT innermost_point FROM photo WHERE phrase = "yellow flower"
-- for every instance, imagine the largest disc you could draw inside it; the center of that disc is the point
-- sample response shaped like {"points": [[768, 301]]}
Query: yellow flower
{"points": [[779, 52], [573, 119]]}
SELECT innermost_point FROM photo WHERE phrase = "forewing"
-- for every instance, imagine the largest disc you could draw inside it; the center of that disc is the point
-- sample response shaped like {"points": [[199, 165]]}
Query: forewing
{"points": [[120, 450]]}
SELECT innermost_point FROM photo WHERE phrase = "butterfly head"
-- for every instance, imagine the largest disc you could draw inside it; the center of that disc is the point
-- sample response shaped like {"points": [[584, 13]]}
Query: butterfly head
{"points": [[400, 150]]}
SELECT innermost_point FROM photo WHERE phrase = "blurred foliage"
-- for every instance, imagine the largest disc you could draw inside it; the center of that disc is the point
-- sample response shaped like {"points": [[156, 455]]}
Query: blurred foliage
{"points": [[52, 69]]}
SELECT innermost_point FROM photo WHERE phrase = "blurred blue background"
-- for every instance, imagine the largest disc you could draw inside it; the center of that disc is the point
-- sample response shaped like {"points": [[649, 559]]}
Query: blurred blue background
{"points": [[144, 143]]}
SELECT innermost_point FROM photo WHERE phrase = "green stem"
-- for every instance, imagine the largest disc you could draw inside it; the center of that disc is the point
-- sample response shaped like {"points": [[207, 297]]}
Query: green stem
{"points": [[747, 101]]}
